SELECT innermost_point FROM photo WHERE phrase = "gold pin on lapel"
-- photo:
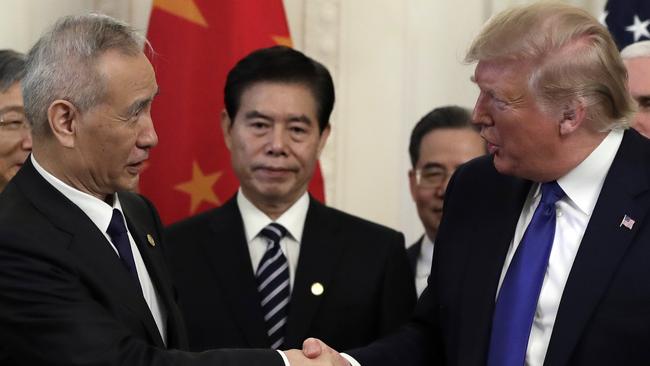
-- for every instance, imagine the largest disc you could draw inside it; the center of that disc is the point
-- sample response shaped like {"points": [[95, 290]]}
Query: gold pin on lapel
{"points": [[317, 289], [150, 240]]}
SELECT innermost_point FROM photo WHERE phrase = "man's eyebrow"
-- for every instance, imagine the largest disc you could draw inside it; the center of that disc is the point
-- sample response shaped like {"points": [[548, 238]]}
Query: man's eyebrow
{"points": [[432, 164], [256, 114], [139, 104], [300, 118], [12, 108]]}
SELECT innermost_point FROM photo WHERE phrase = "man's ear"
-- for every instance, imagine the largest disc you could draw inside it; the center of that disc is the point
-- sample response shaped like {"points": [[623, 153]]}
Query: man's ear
{"points": [[226, 124], [573, 116], [63, 118]]}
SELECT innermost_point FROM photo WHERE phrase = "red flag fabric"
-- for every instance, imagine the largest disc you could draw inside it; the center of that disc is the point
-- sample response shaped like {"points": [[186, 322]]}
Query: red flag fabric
{"points": [[195, 43]]}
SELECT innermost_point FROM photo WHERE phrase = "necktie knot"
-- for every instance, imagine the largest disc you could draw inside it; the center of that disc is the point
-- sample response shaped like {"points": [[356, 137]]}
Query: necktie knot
{"points": [[274, 232], [551, 193], [116, 226]]}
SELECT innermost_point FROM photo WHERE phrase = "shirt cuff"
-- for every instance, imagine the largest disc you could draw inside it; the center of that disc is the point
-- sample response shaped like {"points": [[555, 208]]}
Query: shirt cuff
{"points": [[351, 360], [284, 358]]}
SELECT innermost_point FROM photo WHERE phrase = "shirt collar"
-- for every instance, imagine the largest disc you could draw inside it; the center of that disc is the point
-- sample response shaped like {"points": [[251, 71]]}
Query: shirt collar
{"points": [[99, 212], [255, 220], [583, 183]]}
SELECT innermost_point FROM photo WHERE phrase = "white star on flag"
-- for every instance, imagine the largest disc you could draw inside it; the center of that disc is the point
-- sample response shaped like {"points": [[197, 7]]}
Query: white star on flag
{"points": [[603, 17], [639, 28]]}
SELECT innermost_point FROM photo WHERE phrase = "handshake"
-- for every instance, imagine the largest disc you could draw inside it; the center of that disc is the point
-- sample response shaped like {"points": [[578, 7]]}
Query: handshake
{"points": [[315, 353]]}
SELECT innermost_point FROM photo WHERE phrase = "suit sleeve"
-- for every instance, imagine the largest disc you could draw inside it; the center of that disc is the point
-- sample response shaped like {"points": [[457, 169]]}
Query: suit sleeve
{"points": [[398, 295], [48, 316]]}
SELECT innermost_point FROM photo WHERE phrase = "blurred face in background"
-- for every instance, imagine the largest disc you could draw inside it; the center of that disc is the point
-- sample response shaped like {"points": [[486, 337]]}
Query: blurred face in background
{"points": [[638, 70], [15, 134], [441, 152]]}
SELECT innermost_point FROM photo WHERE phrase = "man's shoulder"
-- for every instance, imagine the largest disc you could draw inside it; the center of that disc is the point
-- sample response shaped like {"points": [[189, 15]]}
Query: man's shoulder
{"points": [[202, 221], [347, 224]]}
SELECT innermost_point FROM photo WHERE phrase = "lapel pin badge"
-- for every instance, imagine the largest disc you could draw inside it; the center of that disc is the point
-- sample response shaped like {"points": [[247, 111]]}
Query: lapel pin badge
{"points": [[150, 240], [627, 221], [317, 289]]}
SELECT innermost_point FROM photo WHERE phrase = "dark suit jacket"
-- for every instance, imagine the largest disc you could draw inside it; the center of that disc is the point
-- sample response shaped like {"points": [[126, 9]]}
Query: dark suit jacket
{"points": [[65, 297], [604, 313], [413, 253], [369, 289]]}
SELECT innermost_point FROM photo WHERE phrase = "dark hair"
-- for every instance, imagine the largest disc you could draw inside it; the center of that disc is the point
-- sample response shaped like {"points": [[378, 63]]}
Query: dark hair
{"points": [[280, 64], [12, 68], [442, 117]]}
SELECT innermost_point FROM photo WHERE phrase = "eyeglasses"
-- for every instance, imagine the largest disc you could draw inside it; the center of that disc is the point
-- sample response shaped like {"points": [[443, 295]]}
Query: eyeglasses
{"points": [[13, 122], [432, 177]]}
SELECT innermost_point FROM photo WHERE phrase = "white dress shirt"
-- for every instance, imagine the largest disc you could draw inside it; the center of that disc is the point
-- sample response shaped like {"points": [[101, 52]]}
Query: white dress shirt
{"points": [[100, 213], [423, 265], [582, 186], [255, 220]]}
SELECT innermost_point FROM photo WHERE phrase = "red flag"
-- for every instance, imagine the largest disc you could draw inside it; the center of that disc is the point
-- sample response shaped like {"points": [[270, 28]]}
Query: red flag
{"points": [[196, 43]]}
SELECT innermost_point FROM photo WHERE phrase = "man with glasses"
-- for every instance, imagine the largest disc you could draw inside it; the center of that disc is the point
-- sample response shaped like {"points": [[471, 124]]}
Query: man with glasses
{"points": [[441, 141], [15, 136]]}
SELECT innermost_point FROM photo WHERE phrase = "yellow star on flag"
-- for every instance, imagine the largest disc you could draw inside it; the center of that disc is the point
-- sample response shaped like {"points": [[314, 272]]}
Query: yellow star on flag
{"points": [[200, 187], [282, 41], [185, 9]]}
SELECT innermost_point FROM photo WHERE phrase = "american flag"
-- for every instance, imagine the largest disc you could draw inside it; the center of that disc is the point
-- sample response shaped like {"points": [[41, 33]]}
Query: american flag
{"points": [[627, 222], [627, 20]]}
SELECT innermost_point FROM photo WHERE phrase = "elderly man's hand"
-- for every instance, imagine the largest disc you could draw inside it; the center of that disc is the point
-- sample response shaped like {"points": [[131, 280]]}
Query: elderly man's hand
{"points": [[315, 353]]}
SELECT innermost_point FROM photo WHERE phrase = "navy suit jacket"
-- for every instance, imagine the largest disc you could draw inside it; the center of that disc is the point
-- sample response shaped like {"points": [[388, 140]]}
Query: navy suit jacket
{"points": [[67, 299], [604, 312], [369, 289]]}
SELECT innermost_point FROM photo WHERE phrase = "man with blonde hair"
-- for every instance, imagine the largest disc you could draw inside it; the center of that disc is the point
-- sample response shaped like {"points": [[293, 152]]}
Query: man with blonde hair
{"points": [[636, 58], [543, 250]]}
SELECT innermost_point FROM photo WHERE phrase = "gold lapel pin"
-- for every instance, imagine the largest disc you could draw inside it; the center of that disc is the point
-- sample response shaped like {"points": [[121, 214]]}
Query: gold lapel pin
{"points": [[317, 289], [150, 240]]}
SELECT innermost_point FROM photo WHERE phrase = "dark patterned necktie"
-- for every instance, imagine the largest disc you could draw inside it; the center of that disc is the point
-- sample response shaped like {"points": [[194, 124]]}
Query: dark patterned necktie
{"points": [[120, 238], [273, 284], [517, 300]]}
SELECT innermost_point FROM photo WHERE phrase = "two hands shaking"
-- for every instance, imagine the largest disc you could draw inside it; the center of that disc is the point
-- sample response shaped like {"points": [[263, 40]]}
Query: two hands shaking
{"points": [[315, 353]]}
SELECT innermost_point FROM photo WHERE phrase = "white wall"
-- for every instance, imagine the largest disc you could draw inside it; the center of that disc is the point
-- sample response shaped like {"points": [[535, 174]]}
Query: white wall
{"points": [[392, 62]]}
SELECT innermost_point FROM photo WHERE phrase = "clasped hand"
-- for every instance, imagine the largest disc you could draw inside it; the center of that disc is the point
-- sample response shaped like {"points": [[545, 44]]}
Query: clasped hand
{"points": [[315, 353]]}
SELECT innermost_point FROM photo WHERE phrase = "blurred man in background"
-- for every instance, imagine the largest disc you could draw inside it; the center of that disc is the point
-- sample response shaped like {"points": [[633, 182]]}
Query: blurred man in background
{"points": [[637, 61], [15, 134], [441, 141]]}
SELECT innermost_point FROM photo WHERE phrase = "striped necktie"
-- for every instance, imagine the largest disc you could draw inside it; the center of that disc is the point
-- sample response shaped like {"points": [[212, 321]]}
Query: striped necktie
{"points": [[273, 284]]}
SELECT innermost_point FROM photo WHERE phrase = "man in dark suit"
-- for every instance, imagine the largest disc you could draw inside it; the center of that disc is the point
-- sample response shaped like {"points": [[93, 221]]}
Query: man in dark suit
{"points": [[543, 250], [441, 141], [82, 275], [336, 276]]}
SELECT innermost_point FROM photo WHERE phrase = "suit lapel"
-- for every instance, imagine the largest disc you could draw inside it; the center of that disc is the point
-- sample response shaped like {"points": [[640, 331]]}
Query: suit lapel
{"points": [[154, 261], [605, 242], [88, 244], [487, 253], [320, 250], [229, 257]]}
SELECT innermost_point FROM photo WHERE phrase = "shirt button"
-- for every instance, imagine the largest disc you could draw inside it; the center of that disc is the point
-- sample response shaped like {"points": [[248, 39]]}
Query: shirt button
{"points": [[559, 213]]}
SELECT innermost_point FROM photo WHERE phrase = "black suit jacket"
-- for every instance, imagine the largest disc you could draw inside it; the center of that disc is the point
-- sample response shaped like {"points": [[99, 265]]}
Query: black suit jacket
{"points": [[369, 289], [65, 297], [604, 313]]}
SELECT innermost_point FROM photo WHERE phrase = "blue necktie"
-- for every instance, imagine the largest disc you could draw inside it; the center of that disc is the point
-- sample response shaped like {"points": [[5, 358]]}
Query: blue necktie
{"points": [[120, 238], [273, 284], [517, 300]]}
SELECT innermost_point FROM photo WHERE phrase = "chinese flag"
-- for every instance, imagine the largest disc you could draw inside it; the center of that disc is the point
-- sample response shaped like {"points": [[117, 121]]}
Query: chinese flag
{"points": [[196, 43]]}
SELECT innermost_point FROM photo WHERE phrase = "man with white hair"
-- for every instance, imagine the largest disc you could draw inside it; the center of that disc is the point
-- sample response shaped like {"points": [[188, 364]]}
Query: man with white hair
{"points": [[636, 58]]}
